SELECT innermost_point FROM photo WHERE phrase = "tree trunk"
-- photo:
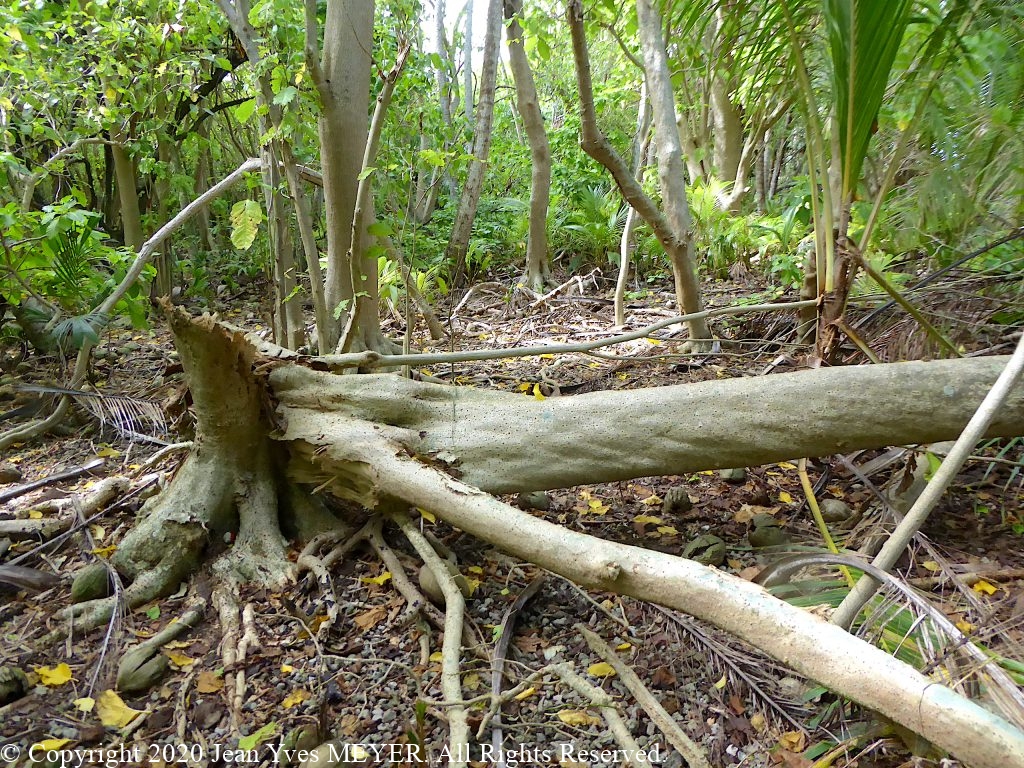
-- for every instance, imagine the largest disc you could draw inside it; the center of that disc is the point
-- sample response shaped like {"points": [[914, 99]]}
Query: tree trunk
{"points": [[345, 92], [379, 440], [462, 228], [537, 267], [670, 165], [128, 194]]}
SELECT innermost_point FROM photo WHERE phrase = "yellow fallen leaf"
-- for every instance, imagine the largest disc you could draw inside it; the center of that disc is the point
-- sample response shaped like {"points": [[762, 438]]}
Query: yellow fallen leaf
{"points": [[982, 587], [471, 681], [378, 580], [785, 498], [623, 646], [721, 682], [427, 515], [651, 501], [643, 519], [84, 704], [35, 514], [475, 569], [577, 717], [46, 745], [786, 465], [546, 357], [537, 394], [436, 656], [287, 669], [106, 452], [601, 669], [524, 387], [105, 552], [113, 712], [179, 660], [964, 626], [52, 677], [525, 694], [931, 565], [595, 507], [473, 585], [793, 741], [295, 698], [98, 532]]}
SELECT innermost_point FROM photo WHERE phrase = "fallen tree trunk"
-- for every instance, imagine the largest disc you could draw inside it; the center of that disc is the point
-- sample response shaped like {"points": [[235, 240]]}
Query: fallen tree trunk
{"points": [[272, 424], [507, 443]]}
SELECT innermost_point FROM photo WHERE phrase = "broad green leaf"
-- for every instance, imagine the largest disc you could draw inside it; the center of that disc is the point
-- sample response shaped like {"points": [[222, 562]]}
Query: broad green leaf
{"points": [[244, 110], [286, 95], [253, 740], [246, 216]]}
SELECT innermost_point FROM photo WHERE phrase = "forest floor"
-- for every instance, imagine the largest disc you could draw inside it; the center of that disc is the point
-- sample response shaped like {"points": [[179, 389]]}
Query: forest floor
{"points": [[360, 681]]}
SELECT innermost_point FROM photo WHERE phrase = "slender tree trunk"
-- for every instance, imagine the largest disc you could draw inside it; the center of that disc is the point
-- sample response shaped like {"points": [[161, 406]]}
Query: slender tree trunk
{"points": [[537, 267], [128, 194], [642, 146], [670, 165], [345, 93], [596, 144], [467, 66], [462, 228]]}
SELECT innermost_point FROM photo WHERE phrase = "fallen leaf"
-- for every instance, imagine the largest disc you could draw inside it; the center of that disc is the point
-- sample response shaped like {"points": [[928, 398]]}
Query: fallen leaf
{"points": [[436, 656], [179, 660], [785, 498], [595, 507], [746, 512], [52, 677], [537, 394], [471, 681], [623, 646], [785, 465], [47, 745], [577, 717], [642, 519], [209, 682], [982, 587], [651, 501], [264, 733], [84, 704], [427, 515], [667, 530], [378, 580], [369, 619], [601, 669], [106, 452], [287, 669], [525, 694], [113, 712], [931, 565], [794, 741], [295, 698]]}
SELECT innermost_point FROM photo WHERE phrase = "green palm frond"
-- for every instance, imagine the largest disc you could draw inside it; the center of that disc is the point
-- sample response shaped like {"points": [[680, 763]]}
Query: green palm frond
{"points": [[864, 37]]}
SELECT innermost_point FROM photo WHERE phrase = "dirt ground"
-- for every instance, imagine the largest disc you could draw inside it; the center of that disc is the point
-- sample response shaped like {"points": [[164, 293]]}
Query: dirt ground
{"points": [[372, 678]]}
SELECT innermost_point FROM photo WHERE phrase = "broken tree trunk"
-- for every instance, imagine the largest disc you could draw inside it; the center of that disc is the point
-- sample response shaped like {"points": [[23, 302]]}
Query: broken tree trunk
{"points": [[268, 426]]}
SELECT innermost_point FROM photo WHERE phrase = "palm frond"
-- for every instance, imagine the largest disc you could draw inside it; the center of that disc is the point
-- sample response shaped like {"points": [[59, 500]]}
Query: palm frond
{"points": [[131, 417]]}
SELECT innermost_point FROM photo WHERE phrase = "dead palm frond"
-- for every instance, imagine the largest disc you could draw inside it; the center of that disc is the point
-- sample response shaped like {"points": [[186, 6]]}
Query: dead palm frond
{"points": [[131, 417]]}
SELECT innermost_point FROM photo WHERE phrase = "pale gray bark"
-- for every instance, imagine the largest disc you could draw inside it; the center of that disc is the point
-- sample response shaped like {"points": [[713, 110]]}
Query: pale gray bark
{"points": [[462, 228], [670, 164], [659, 431], [345, 96], [537, 267]]}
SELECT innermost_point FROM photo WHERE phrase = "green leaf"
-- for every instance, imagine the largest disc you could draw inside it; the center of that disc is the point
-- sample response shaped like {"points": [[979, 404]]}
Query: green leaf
{"points": [[244, 110], [246, 216], [864, 37], [543, 49], [153, 612], [366, 172], [380, 229], [286, 95], [254, 739]]}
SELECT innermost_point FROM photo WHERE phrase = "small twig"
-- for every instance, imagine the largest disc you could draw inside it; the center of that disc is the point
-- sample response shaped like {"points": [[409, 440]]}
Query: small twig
{"points": [[67, 474], [686, 747], [500, 656], [603, 701], [451, 648]]}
